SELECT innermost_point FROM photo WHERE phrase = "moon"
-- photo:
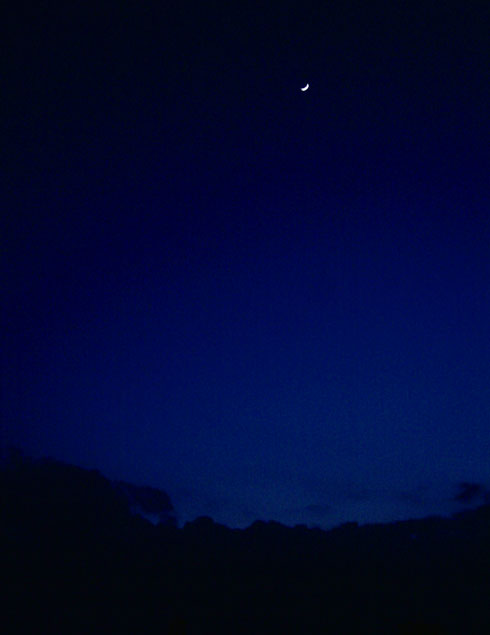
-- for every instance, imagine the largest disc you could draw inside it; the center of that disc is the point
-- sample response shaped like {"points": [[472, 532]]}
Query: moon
{"points": [[305, 88]]}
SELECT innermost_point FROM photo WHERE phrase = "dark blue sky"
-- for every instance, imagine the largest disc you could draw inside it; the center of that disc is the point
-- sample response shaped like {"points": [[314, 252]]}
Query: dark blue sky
{"points": [[272, 304]]}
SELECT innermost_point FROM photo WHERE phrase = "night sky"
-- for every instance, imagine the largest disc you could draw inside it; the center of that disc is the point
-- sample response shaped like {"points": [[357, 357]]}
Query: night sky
{"points": [[272, 304]]}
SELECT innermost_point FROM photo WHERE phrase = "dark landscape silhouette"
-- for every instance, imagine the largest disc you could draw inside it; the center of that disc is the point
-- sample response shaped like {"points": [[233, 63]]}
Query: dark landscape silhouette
{"points": [[80, 555]]}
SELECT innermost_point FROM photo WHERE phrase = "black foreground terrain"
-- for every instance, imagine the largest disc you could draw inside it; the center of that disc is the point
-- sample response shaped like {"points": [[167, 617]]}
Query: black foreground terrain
{"points": [[75, 558]]}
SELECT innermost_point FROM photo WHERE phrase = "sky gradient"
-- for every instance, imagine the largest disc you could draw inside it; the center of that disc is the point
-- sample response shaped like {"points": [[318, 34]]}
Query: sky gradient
{"points": [[271, 304]]}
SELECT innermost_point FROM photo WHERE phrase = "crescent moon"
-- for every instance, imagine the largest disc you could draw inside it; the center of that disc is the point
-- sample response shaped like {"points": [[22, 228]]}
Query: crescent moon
{"points": [[305, 88]]}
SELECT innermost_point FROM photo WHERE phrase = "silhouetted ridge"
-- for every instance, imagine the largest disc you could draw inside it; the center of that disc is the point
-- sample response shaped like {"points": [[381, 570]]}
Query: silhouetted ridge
{"points": [[78, 560]]}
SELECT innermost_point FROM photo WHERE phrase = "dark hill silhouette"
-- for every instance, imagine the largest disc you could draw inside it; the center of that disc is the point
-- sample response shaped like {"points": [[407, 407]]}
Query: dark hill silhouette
{"points": [[76, 559], [149, 502]]}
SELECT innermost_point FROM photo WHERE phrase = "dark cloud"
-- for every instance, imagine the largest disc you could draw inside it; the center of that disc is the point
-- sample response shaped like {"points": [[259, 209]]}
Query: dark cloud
{"points": [[471, 493], [307, 512], [336, 492], [318, 510], [418, 497], [412, 498], [431, 496]]}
